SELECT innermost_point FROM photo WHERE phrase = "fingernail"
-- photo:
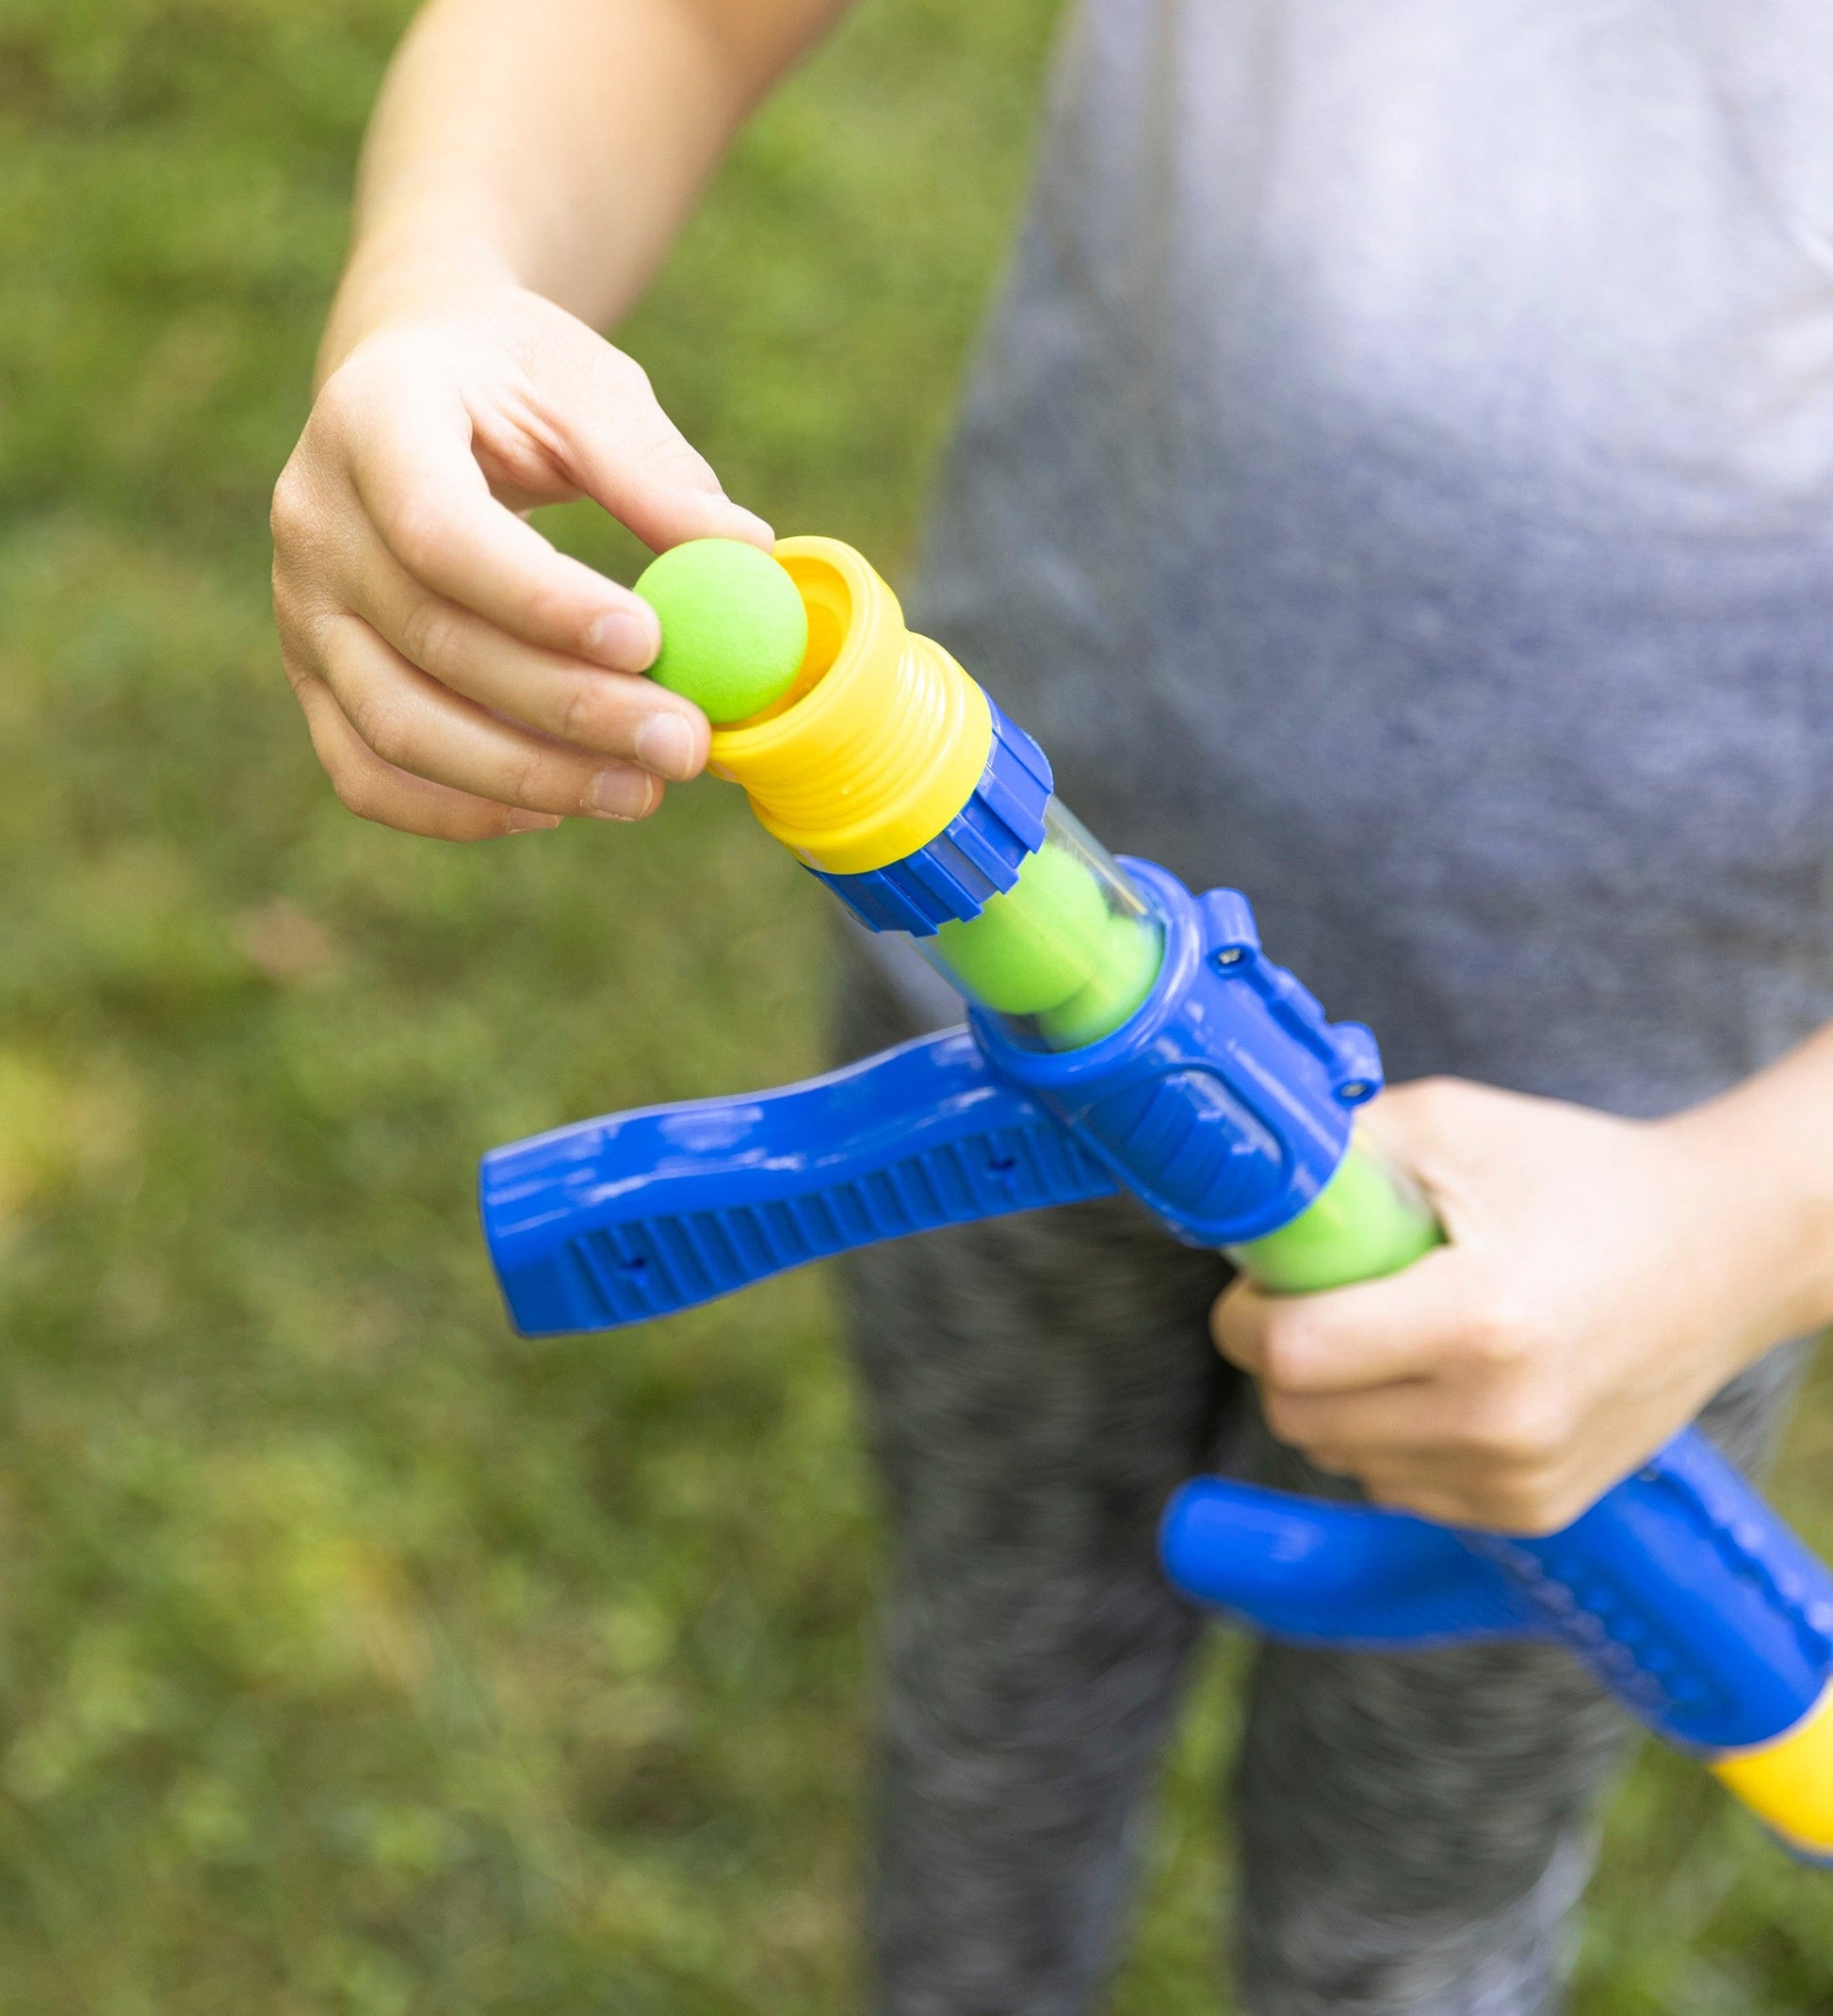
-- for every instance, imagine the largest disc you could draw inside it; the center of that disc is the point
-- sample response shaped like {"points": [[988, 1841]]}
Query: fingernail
{"points": [[621, 794], [766, 536], [626, 638], [533, 821], [665, 743]]}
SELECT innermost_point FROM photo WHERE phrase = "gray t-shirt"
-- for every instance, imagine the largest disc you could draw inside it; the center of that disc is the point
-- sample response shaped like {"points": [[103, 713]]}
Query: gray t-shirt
{"points": [[1399, 483]]}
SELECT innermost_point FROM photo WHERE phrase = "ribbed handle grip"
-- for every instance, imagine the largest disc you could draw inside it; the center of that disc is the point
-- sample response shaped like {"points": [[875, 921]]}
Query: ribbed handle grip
{"points": [[614, 1221]]}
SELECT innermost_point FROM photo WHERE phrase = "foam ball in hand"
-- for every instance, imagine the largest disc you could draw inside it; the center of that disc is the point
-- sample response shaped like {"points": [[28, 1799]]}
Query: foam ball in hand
{"points": [[734, 626]]}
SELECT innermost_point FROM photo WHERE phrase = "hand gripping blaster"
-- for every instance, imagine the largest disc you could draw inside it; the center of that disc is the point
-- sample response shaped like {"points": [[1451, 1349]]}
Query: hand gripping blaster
{"points": [[1125, 1035]]}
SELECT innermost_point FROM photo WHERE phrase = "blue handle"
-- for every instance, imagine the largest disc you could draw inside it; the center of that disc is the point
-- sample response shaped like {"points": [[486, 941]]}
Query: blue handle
{"points": [[1314, 1571], [1224, 1104], [1680, 1589], [615, 1221], [1687, 1596]]}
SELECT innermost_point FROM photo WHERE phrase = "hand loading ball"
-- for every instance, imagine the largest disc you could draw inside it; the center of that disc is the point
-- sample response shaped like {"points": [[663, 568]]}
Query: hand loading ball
{"points": [[734, 635]]}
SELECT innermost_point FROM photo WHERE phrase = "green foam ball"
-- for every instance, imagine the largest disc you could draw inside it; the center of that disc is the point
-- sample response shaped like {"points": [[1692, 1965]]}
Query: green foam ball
{"points": [[1036, 946], [734, 626], [1122, 977], [1364, 1223]]}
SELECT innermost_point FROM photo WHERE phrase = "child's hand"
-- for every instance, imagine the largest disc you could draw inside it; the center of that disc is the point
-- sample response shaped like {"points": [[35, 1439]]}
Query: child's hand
{"points": [[1603, 1278], [460, 677]]}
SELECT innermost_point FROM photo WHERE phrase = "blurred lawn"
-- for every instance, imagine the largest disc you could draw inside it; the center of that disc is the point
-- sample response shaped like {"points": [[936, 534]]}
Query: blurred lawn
{"points": [[353, 1657]]}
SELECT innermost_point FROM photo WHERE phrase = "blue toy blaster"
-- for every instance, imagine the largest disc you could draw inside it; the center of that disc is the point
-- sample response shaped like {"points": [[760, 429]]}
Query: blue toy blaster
{"points": [[1125, 1035]]}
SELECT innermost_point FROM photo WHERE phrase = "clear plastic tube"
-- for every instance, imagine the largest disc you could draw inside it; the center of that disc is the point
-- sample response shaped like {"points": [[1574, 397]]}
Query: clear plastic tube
{"points": [[1371, 1219], [1066, 954]]}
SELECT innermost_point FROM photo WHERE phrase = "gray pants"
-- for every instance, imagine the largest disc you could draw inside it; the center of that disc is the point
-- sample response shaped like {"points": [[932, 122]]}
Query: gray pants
{"points": [[1415, 1830]]}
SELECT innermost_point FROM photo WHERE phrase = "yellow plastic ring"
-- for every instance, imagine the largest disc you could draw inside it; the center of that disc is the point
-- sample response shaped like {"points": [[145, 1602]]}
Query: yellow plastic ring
{"points": [[880, 740]]}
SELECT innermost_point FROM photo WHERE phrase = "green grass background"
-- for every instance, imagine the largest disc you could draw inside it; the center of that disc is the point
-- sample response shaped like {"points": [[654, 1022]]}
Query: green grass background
{"points": [[354, 1657]]}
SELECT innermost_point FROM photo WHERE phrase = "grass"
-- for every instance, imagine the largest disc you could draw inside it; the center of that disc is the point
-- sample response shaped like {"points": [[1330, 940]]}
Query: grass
{"points": [[353, 1657]]}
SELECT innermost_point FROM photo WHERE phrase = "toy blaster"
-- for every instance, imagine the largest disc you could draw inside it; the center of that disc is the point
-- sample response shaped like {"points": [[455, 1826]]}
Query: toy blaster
{"points": [[1124, 1035]]}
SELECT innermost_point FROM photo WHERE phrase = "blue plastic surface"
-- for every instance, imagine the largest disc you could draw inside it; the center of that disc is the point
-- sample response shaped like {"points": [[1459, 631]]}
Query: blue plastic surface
{"points": [[1315, 1571], [1687, 1596], [1224, 1104], [1681, 1590], [618, 1220], [974, 858]]}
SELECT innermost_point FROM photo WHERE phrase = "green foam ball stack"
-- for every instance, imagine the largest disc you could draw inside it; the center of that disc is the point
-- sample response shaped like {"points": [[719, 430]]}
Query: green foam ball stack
{"points": [[1120, 979], [1049, 947], [1036, 946], [734, 627]]}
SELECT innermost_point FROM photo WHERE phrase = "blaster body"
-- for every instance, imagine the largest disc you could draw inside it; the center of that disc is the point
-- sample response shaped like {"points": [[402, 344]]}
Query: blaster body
{"points": [[1125, 1035]]}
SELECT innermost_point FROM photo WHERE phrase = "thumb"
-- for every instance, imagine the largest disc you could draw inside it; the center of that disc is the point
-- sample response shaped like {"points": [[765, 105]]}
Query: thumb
{"points": [[1423, 1126]]}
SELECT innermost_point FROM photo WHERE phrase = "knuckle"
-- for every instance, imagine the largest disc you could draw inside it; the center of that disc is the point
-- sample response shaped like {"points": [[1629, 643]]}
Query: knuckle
{"points": [[583, 714], [1438, 1108], [672, 456], [289, 614], [1285, 1357], [552, 613], [1524, 1438], [303, 612], [1399, 1493], [385, 725], [289, 516], [1502, 1333], [431, 633], [416, 531], [337, 396], [355, 788], [528, 782]]}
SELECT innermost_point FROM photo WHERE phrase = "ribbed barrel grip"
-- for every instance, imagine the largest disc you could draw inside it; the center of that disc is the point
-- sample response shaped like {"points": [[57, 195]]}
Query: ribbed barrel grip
{"points": [[1685, 1593], [615, 1221], [1681, 1588]]}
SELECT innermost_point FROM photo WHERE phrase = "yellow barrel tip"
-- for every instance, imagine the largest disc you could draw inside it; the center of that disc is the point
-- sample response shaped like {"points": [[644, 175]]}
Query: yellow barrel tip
{"points": [[1788, 1783], [882, 738]]}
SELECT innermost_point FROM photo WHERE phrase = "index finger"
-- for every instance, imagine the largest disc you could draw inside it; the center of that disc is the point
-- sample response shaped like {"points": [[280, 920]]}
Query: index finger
{"points": [[434, 511], [1347, 1340]]}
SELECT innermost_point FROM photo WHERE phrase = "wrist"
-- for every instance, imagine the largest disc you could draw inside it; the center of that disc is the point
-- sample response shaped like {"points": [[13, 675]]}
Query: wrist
{"points": [[402, 270], [1761, 1219]]}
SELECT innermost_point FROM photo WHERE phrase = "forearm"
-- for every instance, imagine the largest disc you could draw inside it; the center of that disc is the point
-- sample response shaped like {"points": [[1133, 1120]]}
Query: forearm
{"points": [[1765, 1151], [554, 144]]}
